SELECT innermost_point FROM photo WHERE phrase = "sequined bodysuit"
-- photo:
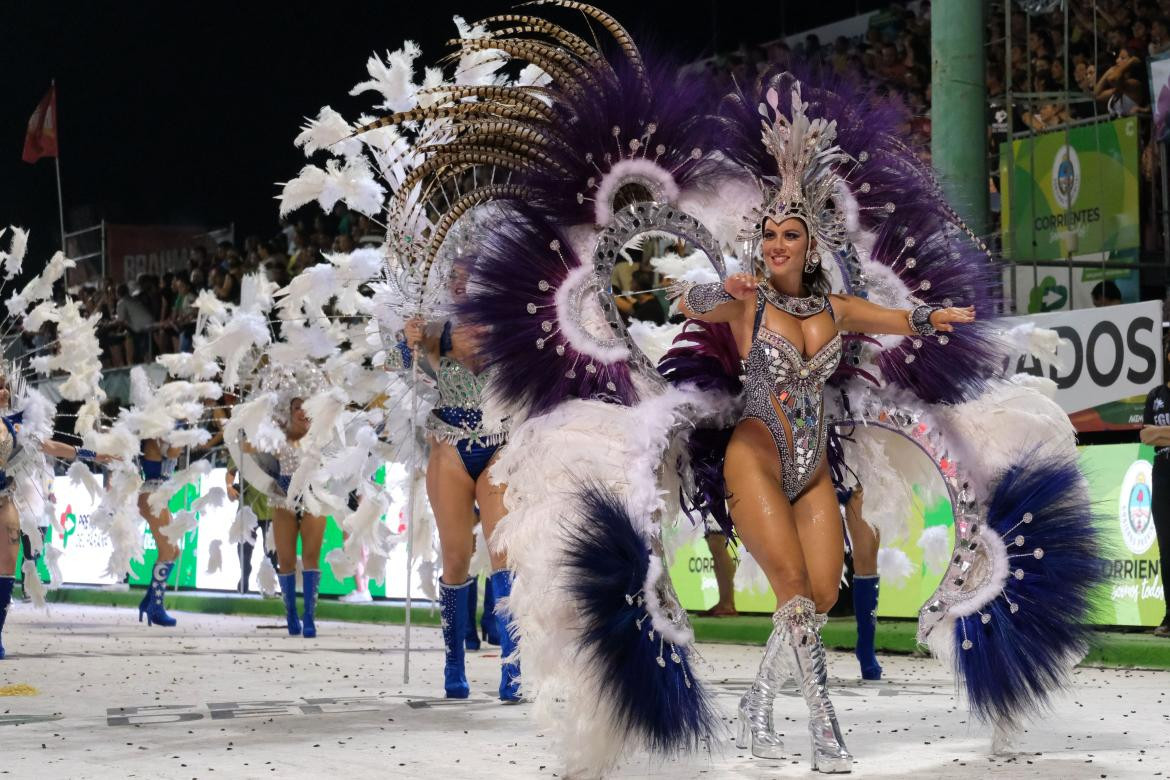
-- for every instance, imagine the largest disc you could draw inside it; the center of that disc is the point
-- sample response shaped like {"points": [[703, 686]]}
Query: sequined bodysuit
{"points": [[778, 376]]}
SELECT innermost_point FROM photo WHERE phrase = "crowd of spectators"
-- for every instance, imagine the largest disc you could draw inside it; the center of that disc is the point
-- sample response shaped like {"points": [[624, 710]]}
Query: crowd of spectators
{"points": [[1109, 42], [155, 313]]}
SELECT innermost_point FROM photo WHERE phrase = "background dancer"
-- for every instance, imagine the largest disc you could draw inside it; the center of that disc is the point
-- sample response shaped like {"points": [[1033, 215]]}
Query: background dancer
{"points": [[156, 461], [463, 445]]}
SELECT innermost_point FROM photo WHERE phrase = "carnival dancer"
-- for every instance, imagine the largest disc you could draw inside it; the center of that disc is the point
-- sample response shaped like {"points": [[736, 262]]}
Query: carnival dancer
{"points": [[10, 445], [156, 460], [290, 522], [781, 493], [463, 445]]}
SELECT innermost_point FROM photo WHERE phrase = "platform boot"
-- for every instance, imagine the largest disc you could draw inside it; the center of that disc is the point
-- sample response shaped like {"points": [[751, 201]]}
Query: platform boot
{"points": [[509, 670], [311, 580], [810, 668], [152, 603], [756, 727], [865, 599], [288, 590], [453, 611]]}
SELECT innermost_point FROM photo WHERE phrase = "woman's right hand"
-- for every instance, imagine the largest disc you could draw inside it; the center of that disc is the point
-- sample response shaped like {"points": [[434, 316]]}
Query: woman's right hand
{"points": [[415, 328], [740, 286]]}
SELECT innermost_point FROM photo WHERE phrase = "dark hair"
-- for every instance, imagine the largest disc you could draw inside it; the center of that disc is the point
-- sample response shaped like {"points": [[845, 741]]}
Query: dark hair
{"points": [[1106, 290], [816, 280]]}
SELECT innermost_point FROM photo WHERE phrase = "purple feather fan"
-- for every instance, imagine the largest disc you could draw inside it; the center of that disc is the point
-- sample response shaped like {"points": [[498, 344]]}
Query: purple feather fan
{"points": [[1019, 648], [869, 128], [944, 269], [706, 356], [609, 120], [512, 295]]}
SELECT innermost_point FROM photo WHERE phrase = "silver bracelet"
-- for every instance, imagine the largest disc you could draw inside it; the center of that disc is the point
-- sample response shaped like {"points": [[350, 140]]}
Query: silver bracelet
{"points": [[919, 318], [702, 298]]}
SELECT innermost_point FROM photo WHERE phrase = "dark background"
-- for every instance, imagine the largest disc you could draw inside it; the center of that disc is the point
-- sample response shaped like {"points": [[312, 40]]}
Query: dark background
{"points": [[185, 112]]}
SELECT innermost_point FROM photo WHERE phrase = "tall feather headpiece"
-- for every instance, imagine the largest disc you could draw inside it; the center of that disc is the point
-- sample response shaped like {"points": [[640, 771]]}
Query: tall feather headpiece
{"points": [[806, 158]]}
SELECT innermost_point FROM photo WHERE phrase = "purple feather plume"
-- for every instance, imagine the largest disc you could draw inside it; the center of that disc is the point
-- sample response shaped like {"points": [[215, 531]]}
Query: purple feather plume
{"points": [[514, 259], [706, 356]]}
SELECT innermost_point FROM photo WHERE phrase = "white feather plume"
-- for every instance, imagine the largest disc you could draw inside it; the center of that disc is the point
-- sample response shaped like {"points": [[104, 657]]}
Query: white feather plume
{"points": [[266, 577], [80, 474], [181, 522], [243, 527], [935, 542], [33, 587], [215, 556], [894, 567]]}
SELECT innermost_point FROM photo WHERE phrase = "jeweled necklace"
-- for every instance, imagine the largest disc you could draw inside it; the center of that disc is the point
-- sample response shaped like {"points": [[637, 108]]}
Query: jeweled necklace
{"points": [[797, 307]]}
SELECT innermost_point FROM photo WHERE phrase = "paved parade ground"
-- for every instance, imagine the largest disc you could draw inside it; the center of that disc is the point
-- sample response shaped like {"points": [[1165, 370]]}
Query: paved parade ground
{"points": [[88, 692]]}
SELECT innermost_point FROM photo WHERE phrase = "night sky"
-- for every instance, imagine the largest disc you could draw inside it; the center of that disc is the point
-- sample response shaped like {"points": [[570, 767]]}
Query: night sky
{"points": [[184, 113]]}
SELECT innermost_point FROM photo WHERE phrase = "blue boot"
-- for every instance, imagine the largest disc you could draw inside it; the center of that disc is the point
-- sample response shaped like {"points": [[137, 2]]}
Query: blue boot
{"points": [[487, 623], [152, 603], [509, 671], [288, 589], [6, 584], [471, 642], [865, 599], [311, 578], [453, 610]]}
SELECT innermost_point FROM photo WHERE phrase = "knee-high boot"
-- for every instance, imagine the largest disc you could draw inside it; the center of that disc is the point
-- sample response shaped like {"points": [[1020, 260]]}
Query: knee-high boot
{"points": [[509, 670], [152, 603], [810, 668], [288, 590], [453, 611], [756, 726], [311, 579], [6, 583], [471, 641], [488, 624], [865, 599]]}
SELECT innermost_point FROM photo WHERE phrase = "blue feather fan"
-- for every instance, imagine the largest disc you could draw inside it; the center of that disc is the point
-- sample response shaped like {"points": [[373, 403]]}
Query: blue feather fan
{"points": [[655, 695]]}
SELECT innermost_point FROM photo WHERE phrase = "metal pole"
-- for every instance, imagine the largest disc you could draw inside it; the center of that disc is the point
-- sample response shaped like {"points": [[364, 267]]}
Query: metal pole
{"points": [[1005, 182], [410, 512], [57, 161], [1165, 205], [959, 106]]}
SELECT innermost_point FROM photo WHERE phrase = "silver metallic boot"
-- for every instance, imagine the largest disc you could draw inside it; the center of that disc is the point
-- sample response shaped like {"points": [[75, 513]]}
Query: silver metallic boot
{"points": [[755, 708], [807, 653]]}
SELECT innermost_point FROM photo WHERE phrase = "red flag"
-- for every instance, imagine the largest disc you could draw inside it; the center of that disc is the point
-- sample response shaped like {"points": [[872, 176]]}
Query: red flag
{"points": [[41, 139]]}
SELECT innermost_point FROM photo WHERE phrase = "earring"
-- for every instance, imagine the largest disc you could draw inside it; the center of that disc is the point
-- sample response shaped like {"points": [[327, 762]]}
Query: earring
{"points": [[811, 261]]}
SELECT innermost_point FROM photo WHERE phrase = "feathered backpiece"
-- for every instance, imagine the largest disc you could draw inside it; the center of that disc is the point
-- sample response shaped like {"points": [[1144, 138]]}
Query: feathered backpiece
{"points": [[832, 154]]}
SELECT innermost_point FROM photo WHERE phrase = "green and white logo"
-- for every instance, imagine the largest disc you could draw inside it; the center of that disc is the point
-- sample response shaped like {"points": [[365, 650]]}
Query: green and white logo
{"points": [[1066, 177], [1135, 507]]}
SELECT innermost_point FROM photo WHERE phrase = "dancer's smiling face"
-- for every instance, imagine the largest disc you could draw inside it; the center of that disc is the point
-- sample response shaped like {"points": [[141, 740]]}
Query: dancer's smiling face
{"points": [[298, 421], [784, 247]]}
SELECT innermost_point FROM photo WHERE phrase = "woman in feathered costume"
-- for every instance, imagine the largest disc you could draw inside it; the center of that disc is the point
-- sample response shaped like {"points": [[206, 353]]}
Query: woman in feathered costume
{"points": [[10, 445], [156, 460], [463, 443], [291, 521], [787, 330]]}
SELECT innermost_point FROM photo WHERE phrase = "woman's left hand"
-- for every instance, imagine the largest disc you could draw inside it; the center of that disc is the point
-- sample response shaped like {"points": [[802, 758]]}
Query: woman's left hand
{"points": [[941, 319]]}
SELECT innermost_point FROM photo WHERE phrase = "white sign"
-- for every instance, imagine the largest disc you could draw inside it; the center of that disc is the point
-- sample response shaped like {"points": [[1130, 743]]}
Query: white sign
{"points": [[1108, 354], [85, 549]]}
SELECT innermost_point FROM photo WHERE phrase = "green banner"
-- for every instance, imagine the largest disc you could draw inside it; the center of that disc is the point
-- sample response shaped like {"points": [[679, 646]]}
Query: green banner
{"points": [[1072, 192]]}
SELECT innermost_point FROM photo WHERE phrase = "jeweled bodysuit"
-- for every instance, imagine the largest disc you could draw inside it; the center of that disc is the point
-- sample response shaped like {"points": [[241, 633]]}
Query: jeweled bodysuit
{"points": [[778, 376]]}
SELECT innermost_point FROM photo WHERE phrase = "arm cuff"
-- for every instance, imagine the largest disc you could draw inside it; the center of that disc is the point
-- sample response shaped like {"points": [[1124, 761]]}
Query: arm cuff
{"points": [[919, 318], [702, 298]]}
